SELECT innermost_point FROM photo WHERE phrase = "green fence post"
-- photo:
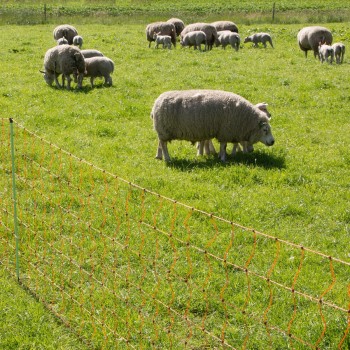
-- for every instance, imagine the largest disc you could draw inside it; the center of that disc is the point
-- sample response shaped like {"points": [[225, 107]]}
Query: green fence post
{"points": [[15, 219]]}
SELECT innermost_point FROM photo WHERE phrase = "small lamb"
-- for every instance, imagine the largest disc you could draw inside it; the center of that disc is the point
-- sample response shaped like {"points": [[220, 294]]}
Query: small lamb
{"points": [[196, 39], [209, 148], [62, 41], [165, 40], [259, 38], [99, 67], [87, 53], [78, 41], [324, 52], [229, 38], [339, 51]]}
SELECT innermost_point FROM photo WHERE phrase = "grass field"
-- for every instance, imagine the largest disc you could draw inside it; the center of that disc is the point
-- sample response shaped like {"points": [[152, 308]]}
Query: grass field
{"points": [[297, 190]]}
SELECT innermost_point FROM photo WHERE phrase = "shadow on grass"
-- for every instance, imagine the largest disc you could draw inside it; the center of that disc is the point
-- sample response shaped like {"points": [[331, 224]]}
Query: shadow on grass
{"points": [[256, 159]]}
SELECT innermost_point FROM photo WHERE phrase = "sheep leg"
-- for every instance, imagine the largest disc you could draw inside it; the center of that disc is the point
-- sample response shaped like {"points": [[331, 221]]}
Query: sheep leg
{"points": [[68, 81], [55, 76], [222, 153], [210, 147], [236, 148], [92, 82], [200, 146], [163, 145]]}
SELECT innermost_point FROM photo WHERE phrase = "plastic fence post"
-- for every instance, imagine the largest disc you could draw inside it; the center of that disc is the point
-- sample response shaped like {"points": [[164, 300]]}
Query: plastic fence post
{"points": [[15, 219]]}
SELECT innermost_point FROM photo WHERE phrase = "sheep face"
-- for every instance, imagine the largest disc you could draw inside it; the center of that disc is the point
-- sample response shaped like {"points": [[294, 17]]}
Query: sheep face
{"points": [[49, 78], [265, 134]]}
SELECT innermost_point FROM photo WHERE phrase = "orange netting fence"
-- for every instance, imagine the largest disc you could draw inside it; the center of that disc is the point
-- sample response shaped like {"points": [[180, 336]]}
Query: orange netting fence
{"points": [[125, 267]]}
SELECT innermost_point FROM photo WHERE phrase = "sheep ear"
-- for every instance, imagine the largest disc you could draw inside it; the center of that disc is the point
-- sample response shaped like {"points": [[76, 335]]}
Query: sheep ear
{"points": [[41, 71]]}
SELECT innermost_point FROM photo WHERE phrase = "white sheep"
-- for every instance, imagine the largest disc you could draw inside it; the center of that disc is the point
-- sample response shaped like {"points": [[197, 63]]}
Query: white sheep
{"points": [[209, 30], [99, 67], [225, 25], [310, 37], [259, 38], [229, 38], [324, 52], [195, 38], [65, 60], [65, 30], [164, 40], [87, 53], [208, 147], [197, 115], [163, 28], [339, 51], [62, 41], [78, 41]]}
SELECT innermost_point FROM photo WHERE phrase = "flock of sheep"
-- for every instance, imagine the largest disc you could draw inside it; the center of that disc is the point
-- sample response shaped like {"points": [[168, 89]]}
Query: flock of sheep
{"points": [[219, 33], [201, 115], [192, 115], [67, 59]]}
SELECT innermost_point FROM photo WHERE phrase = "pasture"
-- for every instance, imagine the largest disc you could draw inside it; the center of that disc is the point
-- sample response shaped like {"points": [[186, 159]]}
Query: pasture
{"points": [[297, 190]]}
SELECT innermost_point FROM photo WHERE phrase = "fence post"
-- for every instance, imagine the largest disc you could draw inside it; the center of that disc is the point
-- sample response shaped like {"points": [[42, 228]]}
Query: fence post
{"points": [[15, 219], [273, 11]]}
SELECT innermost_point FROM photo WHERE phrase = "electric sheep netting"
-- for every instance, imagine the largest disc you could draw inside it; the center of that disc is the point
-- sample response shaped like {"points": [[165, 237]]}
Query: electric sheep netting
{"points": [[123, 266]]}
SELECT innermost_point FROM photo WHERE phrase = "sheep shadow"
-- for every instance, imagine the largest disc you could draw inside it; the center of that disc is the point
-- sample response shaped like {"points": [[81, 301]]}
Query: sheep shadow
{"points": [[256, 159]]}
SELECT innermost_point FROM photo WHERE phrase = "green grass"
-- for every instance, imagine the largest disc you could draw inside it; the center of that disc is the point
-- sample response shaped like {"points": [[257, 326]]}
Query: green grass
{"points": [[298, 190]]}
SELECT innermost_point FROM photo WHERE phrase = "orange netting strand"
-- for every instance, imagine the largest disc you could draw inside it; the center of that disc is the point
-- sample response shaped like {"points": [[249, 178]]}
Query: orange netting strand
{"points": [[347, 330], [265, 321], [293, 294]]}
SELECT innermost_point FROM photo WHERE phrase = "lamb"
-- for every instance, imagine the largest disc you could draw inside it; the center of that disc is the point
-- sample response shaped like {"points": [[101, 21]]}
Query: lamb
{"points": [[228, 38], [65, 60], [310, 37], [225, 25], [165, 40], [209, 148], [197, 115], [163, 28], [195, 38], [325, 51], [259, 38], [339, 51], [209, 30], [99, 67], [62, 41], [87, 53], [65, 30], [178, 23], [78, 41]]}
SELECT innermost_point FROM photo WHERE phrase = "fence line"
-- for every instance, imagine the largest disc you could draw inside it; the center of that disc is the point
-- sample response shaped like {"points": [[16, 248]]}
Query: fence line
{"points": [[125, 266]]}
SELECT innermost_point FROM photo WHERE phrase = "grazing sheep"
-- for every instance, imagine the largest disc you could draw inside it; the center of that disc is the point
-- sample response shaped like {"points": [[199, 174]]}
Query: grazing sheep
{"points": [[225, 25], [209, 30], [165, 40], [65, 60], [259, 38], [78, 41], [178, 23], [91, 53], [65, 30], [339, 51], [195, 38], [197, 115], [310, 37], [99, 67], [62, 41], [162, 28], [228, 38], [324, 52], [209, 148]]}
